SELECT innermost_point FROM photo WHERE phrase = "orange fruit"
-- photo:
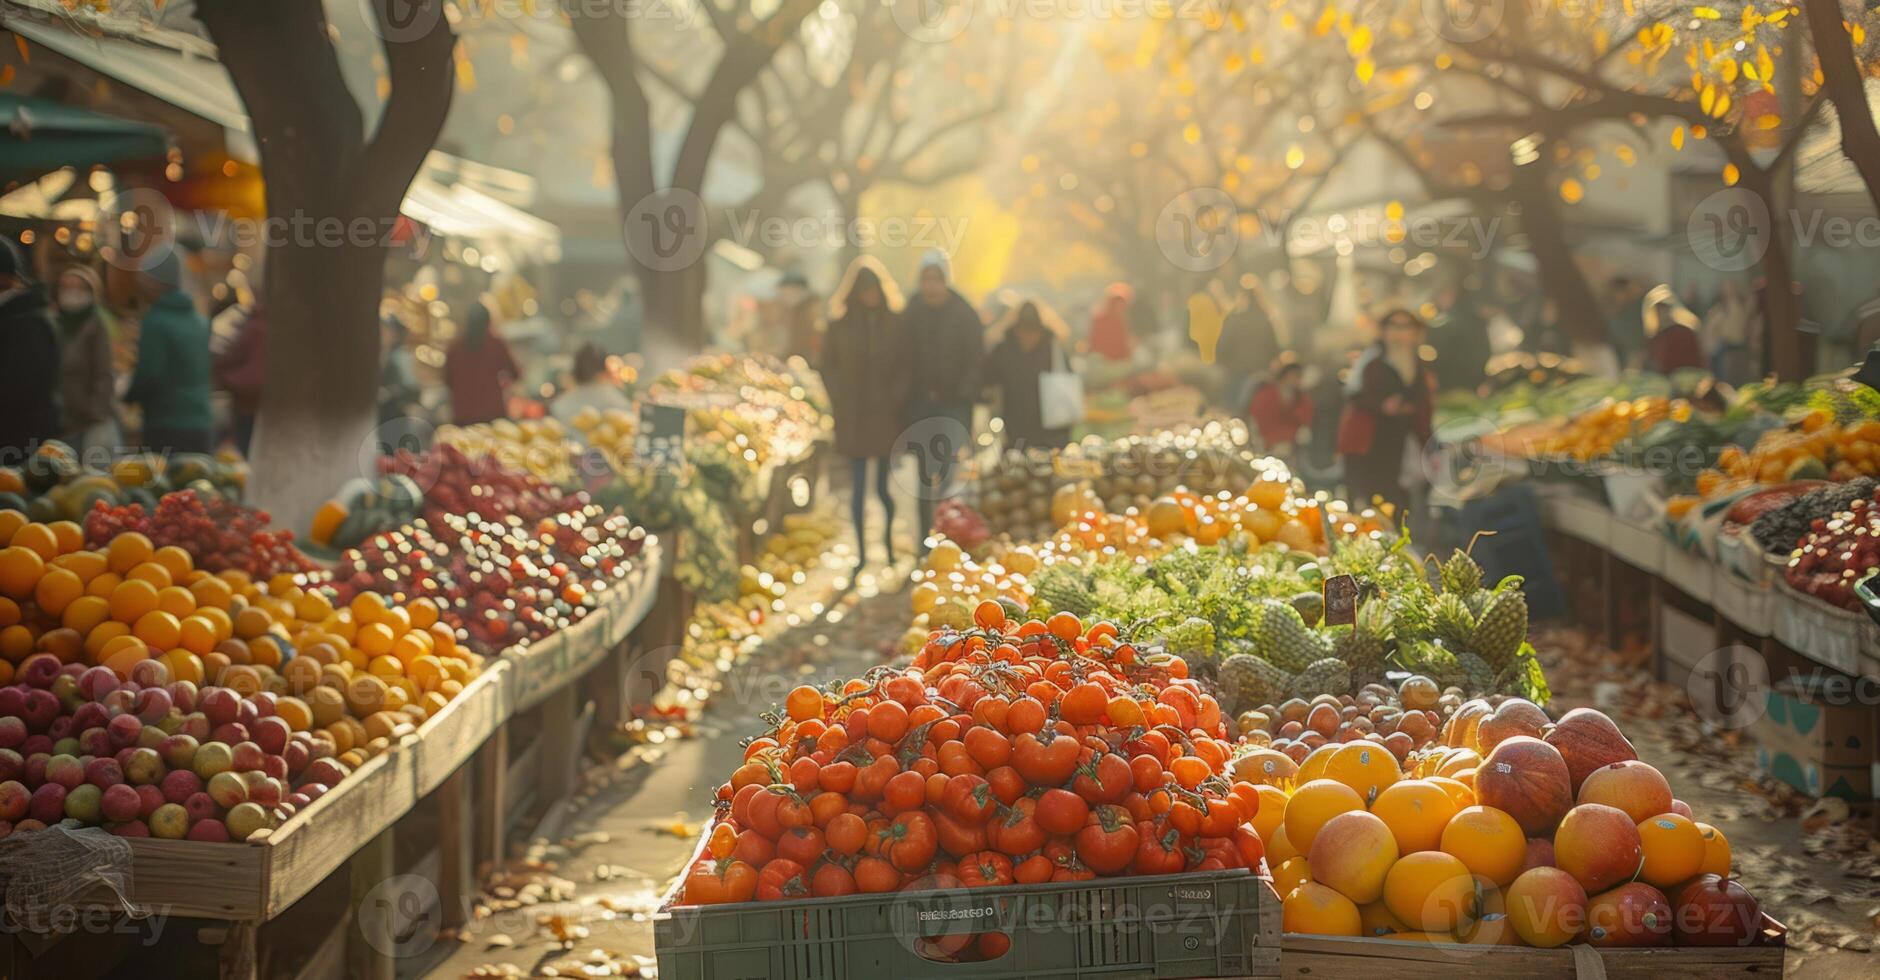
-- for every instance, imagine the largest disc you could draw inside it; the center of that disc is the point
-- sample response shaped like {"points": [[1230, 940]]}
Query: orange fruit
{"points": [[367, 607], [66, 644], [70, 537], [1291, 875], [1378, 921], [124, 658], [197, 634], [85, 613], [39, 539], [312, 607], [15, 643], [1488, 842], [174, 560], [87, 565], [9, 611], [128, 550], [251, 622], [157, 628], [57, 589], [10, 522], [132, 599], [1278, 849], [1351, 854], [423, 612], [1463, 795], [20, 569], [1272, 811], [295, 712], [102, 634], [1674, 849], [1366, 767], [103, 584], [1416, 811], [374, 639], [184, 666], [211, 591], [1716, 851], [1316, 910], [1430, 890], [1315, 803], [153, 573]]}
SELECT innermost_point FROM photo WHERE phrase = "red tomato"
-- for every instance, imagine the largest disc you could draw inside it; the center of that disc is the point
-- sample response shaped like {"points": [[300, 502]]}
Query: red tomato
{"points": [[958, 837], [830, 880], [872, 874], [805, 776], [1061, 811], [1033, 870], [838, 777], [719, 882], [985, 868], [872, 781], [846, 833], [1103, 777], [753, 848], [905, 791], [1017, 832], [1108, 841], [1007, 784], [1047, 761], [969, 798], [1159, 851], [782, 878], [908, 842], [804, 845]]}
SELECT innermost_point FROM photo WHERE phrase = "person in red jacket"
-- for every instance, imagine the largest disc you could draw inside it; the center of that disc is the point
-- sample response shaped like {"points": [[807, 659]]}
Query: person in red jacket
{"points": [[1670, 333], [479, 369], [1390, 401], [1280, 408]]}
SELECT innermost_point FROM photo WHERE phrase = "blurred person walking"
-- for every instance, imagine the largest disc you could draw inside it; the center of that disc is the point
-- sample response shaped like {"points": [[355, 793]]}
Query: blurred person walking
{"points": [[1388, 414], [593, 387], [1280, 408], [29, 347], [1671, 333], [1030, 345], [866, 364], [1248, 347], [947, 342], [242, 371], [87, 378], [478, 369], [171, 381], [400, 393], [1111, 336], [1733, 333]]}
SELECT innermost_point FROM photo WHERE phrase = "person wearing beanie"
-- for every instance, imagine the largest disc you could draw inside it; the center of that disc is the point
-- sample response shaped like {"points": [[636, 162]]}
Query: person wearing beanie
{"points": [[948, 343], [29, 347], [88, 379], [171, 380]]}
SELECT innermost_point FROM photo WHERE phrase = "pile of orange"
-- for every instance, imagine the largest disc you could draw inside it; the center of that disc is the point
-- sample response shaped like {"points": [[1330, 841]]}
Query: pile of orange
{"points": [[357, 672]]}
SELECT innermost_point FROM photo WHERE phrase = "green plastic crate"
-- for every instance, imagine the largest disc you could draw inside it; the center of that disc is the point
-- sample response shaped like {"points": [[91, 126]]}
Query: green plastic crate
{"points": [[1214, 924]]}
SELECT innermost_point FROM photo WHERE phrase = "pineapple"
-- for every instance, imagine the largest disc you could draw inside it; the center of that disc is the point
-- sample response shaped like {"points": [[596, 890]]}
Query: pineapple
{"points": [[1502, 628], [1451, 621], [1325, 676], [1460, 574], [1286, 640], [1248, 681]]}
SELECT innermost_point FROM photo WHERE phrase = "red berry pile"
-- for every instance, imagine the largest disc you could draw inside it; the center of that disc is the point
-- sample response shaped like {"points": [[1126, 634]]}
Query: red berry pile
{"points": [[961, 524], [456, 483], [1836, 553], [218, 533]]}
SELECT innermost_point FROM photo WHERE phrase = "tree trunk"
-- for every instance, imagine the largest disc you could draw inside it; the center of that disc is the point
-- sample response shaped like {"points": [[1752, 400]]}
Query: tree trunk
{"points": [[1786, 352], [332, 197], [1845, 85], [1561, 280]]}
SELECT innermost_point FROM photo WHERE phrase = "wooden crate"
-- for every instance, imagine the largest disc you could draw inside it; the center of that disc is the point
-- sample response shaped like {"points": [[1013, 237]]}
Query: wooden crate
{"points": [[1340, 958]]}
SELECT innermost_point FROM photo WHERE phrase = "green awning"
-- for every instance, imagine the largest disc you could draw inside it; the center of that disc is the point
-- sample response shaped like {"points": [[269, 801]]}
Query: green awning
{"points": [[41, 136]]}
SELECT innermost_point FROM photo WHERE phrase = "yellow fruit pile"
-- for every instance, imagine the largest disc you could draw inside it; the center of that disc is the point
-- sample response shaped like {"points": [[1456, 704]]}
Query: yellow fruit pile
{"points": [[1594, 433], [357, 673], [540, 447], [611, 431]]}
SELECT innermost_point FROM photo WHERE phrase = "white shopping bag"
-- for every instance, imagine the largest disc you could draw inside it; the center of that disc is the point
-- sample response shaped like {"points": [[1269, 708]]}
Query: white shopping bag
{"points": [[1060, 393]]}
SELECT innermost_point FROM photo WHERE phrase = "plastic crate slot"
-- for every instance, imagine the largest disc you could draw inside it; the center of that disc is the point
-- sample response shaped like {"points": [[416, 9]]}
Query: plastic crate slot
{"points": [[815, 956]]}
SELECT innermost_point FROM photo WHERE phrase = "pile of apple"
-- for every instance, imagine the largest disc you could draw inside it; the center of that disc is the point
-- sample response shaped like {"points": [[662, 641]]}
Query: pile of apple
{"points": [[147, 757], [1516, 831], [502, 580]]}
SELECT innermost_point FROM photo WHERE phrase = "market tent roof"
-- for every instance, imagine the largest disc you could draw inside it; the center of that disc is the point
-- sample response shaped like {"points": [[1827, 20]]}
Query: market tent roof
{"points": [[43, 136], [461, 210]]}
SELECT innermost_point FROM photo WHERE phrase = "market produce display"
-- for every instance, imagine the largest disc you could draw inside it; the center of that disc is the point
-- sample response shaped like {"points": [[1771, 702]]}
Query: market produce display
{"points": [[218, 533], [157, 698], [1012, 752], [1836, 552], [54, 483], [1515, 830]]}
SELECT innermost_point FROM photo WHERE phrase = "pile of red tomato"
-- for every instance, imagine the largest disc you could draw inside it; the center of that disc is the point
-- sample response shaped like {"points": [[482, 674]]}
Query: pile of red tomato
{"points": [[1010, 753]]}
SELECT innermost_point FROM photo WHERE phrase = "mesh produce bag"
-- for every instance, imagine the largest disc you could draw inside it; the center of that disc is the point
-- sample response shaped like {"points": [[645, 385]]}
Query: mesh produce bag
{"points": [[46, 873]]}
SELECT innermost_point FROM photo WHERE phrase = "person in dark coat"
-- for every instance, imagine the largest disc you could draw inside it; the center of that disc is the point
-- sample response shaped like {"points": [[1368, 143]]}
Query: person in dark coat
{"points": [[948, 343], [1671, 342], [171, 381], [87, 379], [866, 364], [1248, 345], [29, 348], [1462, 347], [479, 369], [1388, 413], [242, 371], [1028, 349]]}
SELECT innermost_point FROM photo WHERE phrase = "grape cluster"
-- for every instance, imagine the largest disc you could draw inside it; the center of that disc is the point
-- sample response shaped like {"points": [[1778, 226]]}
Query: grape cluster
{"points": [[218, 533], [1836, 553]]}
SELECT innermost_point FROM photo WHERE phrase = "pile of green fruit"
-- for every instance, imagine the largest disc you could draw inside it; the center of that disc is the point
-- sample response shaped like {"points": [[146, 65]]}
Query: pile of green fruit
{"points": [[56, 484]]}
